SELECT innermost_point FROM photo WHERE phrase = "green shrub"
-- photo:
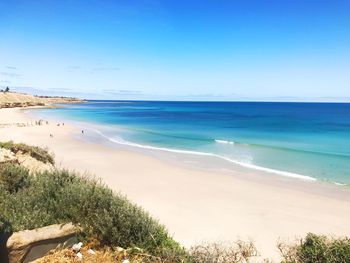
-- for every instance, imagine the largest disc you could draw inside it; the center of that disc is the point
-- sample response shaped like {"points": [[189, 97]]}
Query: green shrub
{"points": [[35, 152], [317, 249], [5, 225], [13, 177], [62, 196]]}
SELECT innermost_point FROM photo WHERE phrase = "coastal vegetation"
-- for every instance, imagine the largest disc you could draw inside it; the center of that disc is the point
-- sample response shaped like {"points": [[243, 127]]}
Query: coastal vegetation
{"points": [[316, 249], [115, 227], [33, 201], [7, 89]]}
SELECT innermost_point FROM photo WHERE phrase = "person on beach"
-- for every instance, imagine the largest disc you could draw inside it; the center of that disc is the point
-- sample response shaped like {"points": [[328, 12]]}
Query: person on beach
{"points": [[82, 132]]}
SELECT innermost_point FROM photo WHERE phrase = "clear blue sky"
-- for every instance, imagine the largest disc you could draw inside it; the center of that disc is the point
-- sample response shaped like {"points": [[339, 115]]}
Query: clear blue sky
{"points": [[219, 49]]}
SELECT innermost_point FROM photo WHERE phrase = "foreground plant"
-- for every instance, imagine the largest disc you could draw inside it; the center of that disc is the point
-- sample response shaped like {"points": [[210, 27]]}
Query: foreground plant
{"points": [[316, 249], [52, 197]]}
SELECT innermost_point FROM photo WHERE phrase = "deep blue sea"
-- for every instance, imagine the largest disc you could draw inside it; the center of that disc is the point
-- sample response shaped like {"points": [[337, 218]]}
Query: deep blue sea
{"points": [[308, 140]]}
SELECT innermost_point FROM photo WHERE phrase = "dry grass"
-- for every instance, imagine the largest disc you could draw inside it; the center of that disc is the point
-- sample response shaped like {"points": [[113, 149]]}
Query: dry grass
{"points": [[104, 254], [68, 256], [237, 252]]}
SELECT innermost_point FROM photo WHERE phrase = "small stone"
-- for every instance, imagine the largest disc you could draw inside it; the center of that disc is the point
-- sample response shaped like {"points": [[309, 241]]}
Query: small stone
{"points": [[77, 247], [79, 255], [126, 261]]}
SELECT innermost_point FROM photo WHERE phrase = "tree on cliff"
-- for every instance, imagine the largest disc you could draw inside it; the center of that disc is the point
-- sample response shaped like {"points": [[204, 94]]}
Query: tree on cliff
{"points": [[7, 89]]}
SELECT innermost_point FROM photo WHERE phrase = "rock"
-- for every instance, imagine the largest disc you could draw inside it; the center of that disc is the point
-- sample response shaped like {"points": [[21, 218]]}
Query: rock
{"points": [[28, 245], [7, 156], [25, 160], [32, 164]]}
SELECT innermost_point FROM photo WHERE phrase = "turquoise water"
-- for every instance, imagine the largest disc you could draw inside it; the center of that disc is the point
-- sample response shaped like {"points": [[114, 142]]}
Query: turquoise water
{"points": [[308, 140]]}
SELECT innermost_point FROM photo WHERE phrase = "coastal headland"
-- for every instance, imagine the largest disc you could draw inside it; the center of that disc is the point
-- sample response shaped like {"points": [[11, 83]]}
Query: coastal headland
{"points": [[15, 99]]}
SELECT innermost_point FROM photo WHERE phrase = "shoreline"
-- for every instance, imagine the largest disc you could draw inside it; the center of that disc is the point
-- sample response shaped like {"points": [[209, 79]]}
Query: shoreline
{"points": [[194, 162], [189, 159], [194, 204], [285, 168]]}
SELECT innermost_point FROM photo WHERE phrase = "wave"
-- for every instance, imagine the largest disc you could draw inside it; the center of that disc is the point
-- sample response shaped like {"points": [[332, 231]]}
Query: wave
{"points": [[340, 184], [240, 143], [281, 148], [242, 164], [225, 142]]}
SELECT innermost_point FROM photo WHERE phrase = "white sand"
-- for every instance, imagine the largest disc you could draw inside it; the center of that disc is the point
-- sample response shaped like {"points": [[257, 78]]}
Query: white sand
{"points": [[196, 205]]}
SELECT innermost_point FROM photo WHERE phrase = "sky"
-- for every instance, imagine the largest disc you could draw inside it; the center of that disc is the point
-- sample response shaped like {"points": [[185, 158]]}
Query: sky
{"points": [[290, 50]]}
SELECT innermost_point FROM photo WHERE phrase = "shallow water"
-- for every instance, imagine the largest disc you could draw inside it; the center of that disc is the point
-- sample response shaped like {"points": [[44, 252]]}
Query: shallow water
{"points": [[306, 140]]}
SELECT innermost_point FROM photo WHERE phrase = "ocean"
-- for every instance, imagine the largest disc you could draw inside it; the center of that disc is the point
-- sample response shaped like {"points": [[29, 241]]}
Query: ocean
{"points": [[305, 140]]}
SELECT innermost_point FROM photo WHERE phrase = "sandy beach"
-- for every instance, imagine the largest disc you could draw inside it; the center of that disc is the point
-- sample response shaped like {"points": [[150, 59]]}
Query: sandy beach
{"points": [[196, 205]]}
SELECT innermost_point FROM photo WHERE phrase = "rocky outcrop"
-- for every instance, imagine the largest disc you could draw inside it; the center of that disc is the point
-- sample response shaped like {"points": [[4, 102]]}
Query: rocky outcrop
{"points": [[7, 156], [32, 164], [25, 160], [28, 245]]}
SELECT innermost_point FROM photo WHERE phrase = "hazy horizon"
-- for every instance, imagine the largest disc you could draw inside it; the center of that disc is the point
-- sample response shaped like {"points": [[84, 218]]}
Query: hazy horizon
{"points": [[197, 98], [178, 50]]}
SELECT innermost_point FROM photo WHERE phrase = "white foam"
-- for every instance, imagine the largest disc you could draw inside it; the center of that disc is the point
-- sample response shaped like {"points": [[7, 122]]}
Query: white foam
{"points": [[341, 184], [123, 142], [246, 165], [225, 142], [269, 170]]}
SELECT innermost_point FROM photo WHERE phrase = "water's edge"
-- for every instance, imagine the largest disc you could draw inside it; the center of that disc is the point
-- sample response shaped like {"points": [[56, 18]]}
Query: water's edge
{"points": [[94, 127]]}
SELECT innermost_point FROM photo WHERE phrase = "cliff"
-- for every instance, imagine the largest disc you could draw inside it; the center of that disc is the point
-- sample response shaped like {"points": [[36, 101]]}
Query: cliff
{"points": [[14, 99]]}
